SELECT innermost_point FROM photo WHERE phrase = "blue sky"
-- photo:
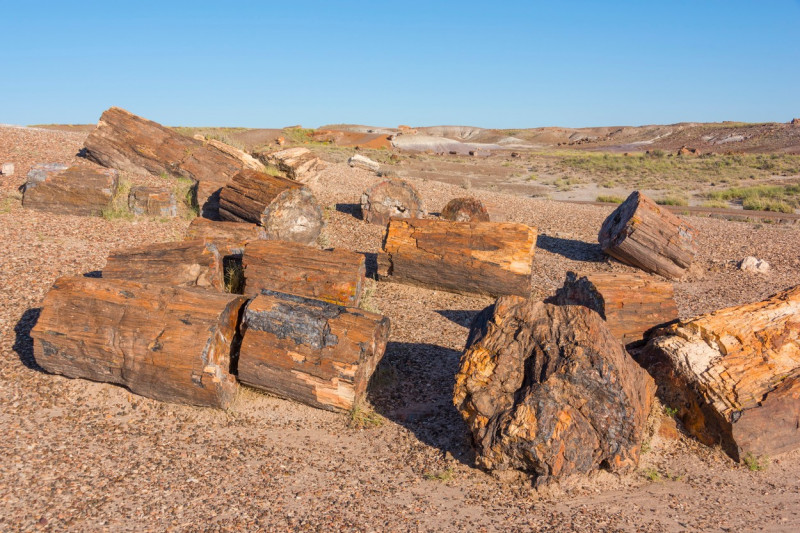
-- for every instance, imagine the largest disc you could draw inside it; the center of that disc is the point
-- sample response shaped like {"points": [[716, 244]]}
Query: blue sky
{"points": [[490, 64]]}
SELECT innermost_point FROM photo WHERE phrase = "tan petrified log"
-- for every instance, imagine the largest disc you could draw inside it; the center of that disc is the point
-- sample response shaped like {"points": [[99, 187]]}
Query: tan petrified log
{"points": [[247, 160], [310, 351], [215, 230], [393, 198], [297, 163], [166, 343], [153, 201], [734, 375], [75, 190], [631, 304], [465, 257], [548, 390], [285, 208], [335, 276], [466, 209], [131, 143], [642, 234]]}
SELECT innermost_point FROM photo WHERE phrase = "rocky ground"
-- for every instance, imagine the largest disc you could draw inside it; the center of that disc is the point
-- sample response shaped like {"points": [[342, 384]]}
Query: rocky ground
{"points": [[87, 456]]}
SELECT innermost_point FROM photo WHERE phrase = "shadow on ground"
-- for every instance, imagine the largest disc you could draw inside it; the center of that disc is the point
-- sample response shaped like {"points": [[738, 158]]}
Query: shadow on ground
{"points": [[350, 209], [23, 343], [571, 248], [462, 317]]}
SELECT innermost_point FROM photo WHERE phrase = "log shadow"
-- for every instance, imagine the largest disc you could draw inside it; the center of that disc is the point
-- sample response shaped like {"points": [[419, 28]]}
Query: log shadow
{"points": [[462, 317], [350, 209], [571, 248], [413, 387], [371, 264], [23, 342]]}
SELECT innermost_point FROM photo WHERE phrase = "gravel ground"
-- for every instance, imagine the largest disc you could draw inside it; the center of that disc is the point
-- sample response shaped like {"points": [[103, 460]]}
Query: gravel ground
{"points": [[88, 456]]}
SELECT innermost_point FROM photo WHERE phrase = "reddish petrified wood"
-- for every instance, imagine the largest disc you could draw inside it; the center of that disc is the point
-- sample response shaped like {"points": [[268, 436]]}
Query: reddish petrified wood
{"points": [[214, 230], [75, 190], [309, 350], [465, 209], [548, 390], [153, 201], [392, 198], [165, 343]]}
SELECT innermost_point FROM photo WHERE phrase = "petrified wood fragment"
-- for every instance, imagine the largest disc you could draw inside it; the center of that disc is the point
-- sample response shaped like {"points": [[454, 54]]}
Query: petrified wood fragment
{"points": [[548, 390], [286, 209], [153, 201], [165, 343], [466, 209], [311, 351], [392, 198], [642, 234], [335, 276], [734, 375], [631, 304], [70, 191], [215, 230], [466, 257], [297, 163]]}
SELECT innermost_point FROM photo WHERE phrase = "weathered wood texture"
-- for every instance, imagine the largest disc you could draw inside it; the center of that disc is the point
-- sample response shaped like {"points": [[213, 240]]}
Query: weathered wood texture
{"points": [[466, 209], [297, 163], [247, 160], [734, 375], [392, 198], [631, 304], [643, 234], [466, 257], [153, 201], [286, 209], [311, 351], [165, 343], [335, 276], [131, 143], [214, 230], [548, 390], [75, 190]]}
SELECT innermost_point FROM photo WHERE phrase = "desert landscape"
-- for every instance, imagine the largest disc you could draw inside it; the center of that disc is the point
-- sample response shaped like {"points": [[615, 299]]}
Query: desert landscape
{"points": [[396, 443]]}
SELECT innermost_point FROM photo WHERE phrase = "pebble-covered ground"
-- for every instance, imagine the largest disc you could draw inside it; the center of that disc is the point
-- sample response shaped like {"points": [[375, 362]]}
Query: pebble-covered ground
{"points": [[86, 456]]}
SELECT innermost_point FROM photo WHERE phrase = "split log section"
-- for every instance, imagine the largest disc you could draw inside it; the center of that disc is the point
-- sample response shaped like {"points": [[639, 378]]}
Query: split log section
{"points": [[70, 191], [466, 209], [241, 232]]}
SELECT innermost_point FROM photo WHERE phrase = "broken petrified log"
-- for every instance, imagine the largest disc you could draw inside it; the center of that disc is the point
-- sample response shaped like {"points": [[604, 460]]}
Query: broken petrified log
{"points": [[166, 343], [335, 276], [631, 304], [311, 351], [297, 163], [548, 390], [491, 258], [247, 160], [70, 191], [153, 201], [642, 234], [214, 230], [465, 209], [131, 143], [393, 198], [286, 209], [734, 375]]}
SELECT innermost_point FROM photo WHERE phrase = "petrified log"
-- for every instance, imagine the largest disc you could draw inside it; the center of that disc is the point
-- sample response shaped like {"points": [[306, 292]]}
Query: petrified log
{"points": [[642, 234], [247, 160], [153, 201], [465, 209], [734, 375], [287, 210], [70, 191], [131, 143], [480, 257], [311, 351], [548, 390], [335, 276], [297, 163], [162, 342], [392, 198], [214, 230], [631, 304], [360, 161]]}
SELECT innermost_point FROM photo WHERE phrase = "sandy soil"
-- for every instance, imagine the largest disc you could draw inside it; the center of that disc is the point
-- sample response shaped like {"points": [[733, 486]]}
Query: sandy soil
{"points": [[87, 456]]}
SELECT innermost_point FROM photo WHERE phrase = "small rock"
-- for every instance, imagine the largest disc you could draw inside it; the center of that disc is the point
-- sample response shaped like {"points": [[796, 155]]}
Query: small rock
{"points": [[754, 265], [8, 169], [363, 162]]}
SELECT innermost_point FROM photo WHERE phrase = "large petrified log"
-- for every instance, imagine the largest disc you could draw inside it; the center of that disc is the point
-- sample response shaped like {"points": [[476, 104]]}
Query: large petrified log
{"points": [[466, 209], [131, 143], [393, 198], [241, 232], [165, 343], [287, 210], [311, 351], [734, 375], [481, 257], [335, 276], [642, 234], [631, 304], [548, 390], [70, 191]]}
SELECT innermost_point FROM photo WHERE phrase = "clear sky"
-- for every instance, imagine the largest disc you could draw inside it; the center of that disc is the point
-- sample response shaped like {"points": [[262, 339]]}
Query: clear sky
{"points": [[491, 64]]}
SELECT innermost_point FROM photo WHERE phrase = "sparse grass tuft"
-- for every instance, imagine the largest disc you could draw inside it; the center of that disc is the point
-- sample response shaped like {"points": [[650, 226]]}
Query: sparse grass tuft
{"points": [[367, 302], [234, 276], [442, 475], [361, 418], [670, 411], [118, 209], [779, 198], [719, 204], [610, 199], [653, 475], [672, 200], [756, 463]]}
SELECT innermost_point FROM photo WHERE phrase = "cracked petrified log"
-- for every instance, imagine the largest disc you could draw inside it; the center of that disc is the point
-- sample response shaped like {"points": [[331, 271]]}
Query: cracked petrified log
{"points": [[75, 190], [311, 351], [641, 233], [393, 198], [215, 230], [131, 143], [734, 375], [548, 390], [335, 276], [631, 304], [466, 209], [465, 257], [297, 163], [166, 343], [285, 208], [153, 201]]}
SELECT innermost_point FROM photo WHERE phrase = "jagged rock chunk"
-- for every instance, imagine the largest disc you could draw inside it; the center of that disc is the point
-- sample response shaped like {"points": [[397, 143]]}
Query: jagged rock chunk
{"points": [[465, 209], [392, 198]]}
